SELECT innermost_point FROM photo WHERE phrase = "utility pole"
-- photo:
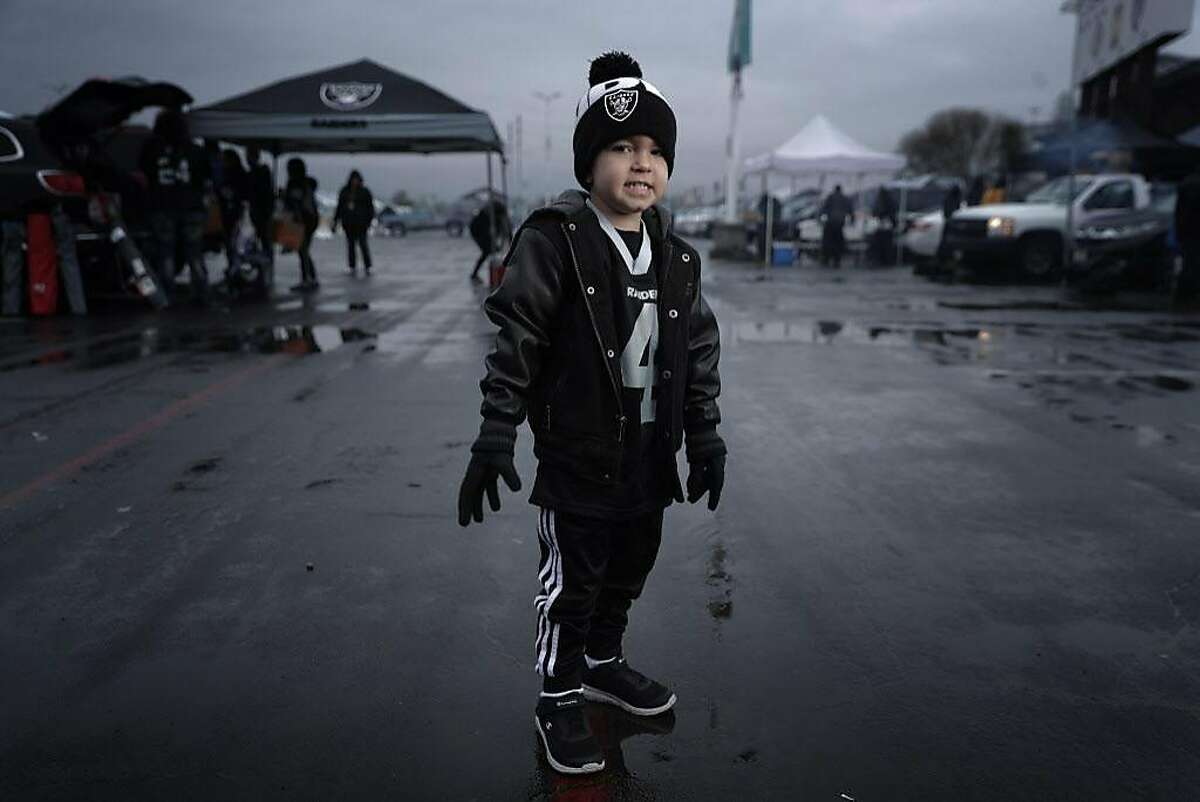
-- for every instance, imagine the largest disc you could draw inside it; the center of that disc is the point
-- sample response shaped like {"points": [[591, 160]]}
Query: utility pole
{"points": [[520, 157], [547, 98]]}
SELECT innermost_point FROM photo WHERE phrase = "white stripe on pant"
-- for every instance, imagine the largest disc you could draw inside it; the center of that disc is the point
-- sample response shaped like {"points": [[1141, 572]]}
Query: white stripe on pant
{"points": [[550, 573]]}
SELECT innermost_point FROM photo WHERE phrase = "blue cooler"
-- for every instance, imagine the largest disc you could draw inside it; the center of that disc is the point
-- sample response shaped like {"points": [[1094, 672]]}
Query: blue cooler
{"points": [[783, 254]]}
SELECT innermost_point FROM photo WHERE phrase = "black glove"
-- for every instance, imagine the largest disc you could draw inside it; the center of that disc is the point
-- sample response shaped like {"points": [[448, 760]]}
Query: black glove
{"points": [[706, 466], [491, 458]]}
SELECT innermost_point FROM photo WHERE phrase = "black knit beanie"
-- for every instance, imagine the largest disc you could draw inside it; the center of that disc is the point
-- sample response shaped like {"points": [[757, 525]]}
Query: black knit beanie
{"points": [[619, 104]]}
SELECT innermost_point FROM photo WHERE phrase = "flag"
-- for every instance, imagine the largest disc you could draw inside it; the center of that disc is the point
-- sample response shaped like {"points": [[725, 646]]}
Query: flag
{"points": [[739, 36]]}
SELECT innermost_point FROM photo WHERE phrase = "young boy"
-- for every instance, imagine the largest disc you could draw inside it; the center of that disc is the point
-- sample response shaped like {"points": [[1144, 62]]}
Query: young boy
{"points": [[608, 348]]}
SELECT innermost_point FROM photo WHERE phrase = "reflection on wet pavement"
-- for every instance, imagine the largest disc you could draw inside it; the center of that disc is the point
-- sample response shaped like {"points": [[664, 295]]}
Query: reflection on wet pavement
{"points": [[1106, 363], [720, 605], [611, 727], [152, 341]]}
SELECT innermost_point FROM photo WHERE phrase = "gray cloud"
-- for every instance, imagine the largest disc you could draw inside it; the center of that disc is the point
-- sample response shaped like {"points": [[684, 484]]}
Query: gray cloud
{"points": [[875, 67]]}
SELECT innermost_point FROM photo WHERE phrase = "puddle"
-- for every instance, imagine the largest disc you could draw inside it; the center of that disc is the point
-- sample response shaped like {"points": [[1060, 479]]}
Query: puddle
{"points": [[150, 342], [830, 331], [377, 305]]}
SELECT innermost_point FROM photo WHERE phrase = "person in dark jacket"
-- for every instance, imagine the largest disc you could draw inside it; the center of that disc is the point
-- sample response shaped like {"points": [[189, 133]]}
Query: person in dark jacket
{"points": [[260, 196], [776, 218], [177, 174], [1187, 234], [490, 227], [952, 201], [231, 200], [608, 349], [355, 211], [299, 198], [836, 210], [883, 243], [975, 193]]}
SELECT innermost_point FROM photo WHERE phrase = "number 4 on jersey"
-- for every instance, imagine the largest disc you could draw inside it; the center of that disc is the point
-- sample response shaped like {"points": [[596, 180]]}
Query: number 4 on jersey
{"points": [[637, 360]]}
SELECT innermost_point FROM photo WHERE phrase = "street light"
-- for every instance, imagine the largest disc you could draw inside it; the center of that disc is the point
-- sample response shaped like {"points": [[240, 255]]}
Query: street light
{"points": [[547, 98]]}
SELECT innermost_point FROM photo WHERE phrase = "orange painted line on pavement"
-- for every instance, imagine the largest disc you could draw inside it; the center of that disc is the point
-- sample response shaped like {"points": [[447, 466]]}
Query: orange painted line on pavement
{"points": [[157, 421]]}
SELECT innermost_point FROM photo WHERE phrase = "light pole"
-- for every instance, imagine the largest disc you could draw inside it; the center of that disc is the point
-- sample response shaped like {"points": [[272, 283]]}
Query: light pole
{"points": [[547, 98]]}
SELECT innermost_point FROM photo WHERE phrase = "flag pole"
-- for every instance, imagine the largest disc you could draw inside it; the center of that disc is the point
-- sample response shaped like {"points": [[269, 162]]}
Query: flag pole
{"points": [[731, 150]]}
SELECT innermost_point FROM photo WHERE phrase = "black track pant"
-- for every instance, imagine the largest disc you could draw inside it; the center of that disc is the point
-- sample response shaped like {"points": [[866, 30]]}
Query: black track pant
{"points": [[484, 252], [308, 269], [590, 571], [357, 237]]}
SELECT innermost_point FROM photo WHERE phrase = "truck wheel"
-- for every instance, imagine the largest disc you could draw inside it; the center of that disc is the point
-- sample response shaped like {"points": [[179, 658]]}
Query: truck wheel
{"points": [[454, 228], [1040, 257]]}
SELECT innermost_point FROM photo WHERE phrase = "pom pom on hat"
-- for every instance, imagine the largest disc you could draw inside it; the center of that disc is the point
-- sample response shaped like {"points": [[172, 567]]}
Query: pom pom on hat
{"points": [[613, 64]]}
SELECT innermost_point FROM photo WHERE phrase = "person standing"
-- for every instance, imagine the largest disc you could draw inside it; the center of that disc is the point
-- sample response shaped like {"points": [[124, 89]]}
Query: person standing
{"points": [[836, 210], [299, 198], [776, 214], [493, 213], [355, 211], [885, 212], [231, 199], [951, 203], [176, 173], [975, 193], [260, 196], [1187, 234], [608, 348]]}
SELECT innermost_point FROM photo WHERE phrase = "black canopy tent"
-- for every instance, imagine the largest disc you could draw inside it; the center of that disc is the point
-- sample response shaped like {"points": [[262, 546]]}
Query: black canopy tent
{"points": [[360, 107]]}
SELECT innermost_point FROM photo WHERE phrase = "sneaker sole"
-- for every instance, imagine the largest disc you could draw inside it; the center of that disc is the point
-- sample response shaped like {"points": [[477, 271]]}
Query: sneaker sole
{"points": [[587, 768], [597, 695]]}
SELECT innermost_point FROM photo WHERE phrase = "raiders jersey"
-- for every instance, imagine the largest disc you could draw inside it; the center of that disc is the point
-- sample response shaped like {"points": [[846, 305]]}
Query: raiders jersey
{"points": [[643, 487], [175, 175]]}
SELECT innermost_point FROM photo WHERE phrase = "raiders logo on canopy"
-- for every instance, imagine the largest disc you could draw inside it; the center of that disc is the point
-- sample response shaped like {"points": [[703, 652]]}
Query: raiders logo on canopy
{"points": [[350, 96], [620, 104]]}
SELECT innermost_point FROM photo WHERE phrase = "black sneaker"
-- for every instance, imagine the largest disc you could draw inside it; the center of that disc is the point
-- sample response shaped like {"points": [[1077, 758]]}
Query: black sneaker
{"points": [[570, 746], [615, 683]]}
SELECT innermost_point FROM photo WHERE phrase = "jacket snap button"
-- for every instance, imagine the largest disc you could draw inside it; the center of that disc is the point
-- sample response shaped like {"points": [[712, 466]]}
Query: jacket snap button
{"points": [[591, 290], [666, 374], [611, 353], [571, 226], [673, 314], [687, 257]]}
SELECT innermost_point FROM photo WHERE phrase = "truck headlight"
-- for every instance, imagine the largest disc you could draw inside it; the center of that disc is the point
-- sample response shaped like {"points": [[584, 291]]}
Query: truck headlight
{"points": [[1001, 227]]}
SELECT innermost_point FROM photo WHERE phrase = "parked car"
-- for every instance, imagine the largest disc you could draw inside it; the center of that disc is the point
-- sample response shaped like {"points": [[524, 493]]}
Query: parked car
{"points": [[697, 221], [922, 239], [31, 176], [81, 154], [397, 221], [1127, 248], [1029, 236]]}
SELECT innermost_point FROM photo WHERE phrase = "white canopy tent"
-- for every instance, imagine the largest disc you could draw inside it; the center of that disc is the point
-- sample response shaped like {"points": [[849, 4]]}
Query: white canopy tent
{"points": [[820, 150]]}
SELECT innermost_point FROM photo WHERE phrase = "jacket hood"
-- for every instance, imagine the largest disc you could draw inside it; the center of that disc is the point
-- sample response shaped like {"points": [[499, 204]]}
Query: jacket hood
{"points": [[573, 202]]}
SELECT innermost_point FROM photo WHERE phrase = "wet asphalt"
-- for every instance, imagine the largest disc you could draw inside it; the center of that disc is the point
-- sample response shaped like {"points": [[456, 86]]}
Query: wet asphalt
{"points": [[957, 557]]}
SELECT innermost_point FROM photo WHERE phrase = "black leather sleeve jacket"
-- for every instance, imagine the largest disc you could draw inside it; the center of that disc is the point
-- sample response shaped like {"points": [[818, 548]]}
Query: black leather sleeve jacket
{"points": [[556, 359]]}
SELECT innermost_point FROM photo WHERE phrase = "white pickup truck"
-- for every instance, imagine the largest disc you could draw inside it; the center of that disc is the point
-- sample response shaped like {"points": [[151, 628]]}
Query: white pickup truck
{"points": [[1030, 235]]}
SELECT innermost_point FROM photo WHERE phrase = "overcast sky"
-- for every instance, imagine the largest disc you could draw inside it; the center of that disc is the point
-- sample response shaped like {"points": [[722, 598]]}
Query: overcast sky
{"points": [[876, 68]]}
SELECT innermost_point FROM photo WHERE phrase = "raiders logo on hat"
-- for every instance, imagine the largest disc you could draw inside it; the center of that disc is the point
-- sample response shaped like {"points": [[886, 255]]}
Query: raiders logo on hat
{"points": [[350, 96], [620, 104]]}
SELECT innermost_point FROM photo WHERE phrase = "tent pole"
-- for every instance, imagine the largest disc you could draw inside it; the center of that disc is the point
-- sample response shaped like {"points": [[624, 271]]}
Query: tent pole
{"points": [[768, 234], [491, 207], [508, 232]]}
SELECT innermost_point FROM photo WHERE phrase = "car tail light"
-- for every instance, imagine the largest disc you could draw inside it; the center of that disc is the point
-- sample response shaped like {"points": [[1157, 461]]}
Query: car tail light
{"points": [[60, 182]]}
